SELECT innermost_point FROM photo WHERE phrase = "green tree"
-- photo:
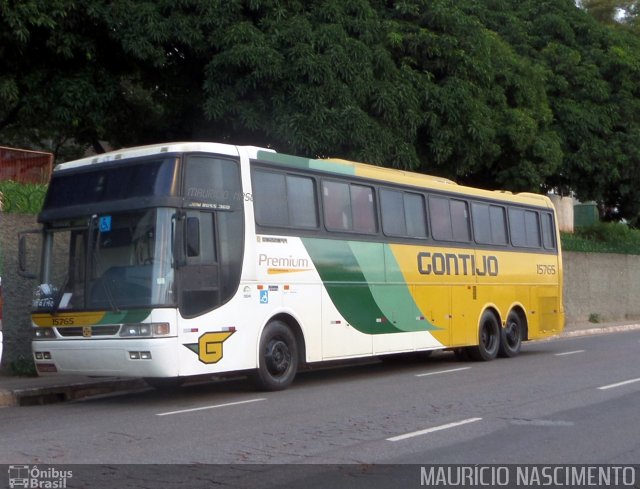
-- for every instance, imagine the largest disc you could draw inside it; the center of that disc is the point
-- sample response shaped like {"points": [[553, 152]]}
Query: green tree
{"points": [[518, 94], [486, 118], [90, 71], [592, 84], [312, 78]]}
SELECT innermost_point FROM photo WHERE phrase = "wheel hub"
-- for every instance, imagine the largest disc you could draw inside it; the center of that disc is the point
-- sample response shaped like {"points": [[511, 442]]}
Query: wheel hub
{"points": [[278, 357]]}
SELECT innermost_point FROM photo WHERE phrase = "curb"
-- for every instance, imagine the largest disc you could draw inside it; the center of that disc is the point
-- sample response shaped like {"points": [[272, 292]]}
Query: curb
{"points": [[599, 330], [69, 392]]}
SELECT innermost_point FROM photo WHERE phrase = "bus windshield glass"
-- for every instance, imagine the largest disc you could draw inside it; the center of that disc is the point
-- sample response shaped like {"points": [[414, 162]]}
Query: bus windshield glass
{"points": [[147, 178], [117, 261]]}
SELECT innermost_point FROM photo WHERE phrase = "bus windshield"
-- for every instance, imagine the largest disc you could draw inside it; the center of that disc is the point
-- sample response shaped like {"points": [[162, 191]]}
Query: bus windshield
{"points": [[113, 262]]}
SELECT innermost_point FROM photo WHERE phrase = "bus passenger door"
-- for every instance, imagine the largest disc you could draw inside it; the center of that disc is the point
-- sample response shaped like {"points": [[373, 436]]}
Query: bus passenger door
{"points": [[199, 274]]}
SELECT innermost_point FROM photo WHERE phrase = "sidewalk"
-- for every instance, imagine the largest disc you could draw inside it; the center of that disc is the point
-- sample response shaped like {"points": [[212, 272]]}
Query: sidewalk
{"points": [[28, 391]]}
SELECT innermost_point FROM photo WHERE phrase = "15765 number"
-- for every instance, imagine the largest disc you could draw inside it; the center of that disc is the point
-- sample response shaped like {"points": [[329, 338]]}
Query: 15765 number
{"points": [[546, 269]]}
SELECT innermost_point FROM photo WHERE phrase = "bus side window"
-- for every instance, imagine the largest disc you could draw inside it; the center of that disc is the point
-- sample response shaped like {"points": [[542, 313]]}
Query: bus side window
{"points": [[524, 228], [489, 224], [403, 214], [449, 219], [270, 198], [460, 220], [548, 235], [301, 199], [364, 215], [415, 216], [337, 206], [393, 213], [440, 218]]}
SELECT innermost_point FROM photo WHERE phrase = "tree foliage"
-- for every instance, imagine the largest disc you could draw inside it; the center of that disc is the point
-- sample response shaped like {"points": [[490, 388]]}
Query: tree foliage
{"points": [[522, 95]]}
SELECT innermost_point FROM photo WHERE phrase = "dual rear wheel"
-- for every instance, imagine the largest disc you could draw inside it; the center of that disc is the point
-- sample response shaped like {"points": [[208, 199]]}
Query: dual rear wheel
{"points": [[494, 340]]}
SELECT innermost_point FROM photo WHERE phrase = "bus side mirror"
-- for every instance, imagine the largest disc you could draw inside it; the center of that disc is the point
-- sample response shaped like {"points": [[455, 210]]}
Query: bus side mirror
{"points": [[23, 260]]}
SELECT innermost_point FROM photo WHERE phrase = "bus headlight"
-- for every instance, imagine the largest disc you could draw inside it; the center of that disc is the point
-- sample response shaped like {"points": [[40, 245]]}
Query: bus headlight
{"points": [[43, 333], [144, 330]]}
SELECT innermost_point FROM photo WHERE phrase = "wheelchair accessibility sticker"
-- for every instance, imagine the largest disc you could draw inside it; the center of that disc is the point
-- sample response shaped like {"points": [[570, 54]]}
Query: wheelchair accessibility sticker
{"points": [[264, 297]]}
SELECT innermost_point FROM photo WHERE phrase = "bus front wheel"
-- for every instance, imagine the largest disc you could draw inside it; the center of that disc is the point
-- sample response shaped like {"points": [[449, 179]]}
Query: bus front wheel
{"points": [[488, 339], [278, 358]]}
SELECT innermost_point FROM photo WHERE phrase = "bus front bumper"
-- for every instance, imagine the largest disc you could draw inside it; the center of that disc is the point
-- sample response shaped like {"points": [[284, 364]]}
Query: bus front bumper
{"points": [[154, 357]]}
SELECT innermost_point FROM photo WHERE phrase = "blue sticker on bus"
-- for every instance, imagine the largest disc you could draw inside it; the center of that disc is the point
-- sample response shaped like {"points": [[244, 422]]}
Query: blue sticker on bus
{"points": [[105, 224], [264, 297]]}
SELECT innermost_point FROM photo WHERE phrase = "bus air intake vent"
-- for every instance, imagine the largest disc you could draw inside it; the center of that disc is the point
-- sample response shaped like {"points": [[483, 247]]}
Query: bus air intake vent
{"points": [[102, 330]]}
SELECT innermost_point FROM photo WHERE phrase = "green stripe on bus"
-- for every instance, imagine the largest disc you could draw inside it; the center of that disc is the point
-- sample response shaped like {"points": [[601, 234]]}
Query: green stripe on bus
{"points": [[305, 163], [390, 291], [128, 316], [347, 286], [373, 300]]}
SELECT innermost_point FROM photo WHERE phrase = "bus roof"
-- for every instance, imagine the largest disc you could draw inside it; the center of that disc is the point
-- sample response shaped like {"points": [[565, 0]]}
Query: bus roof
{"points": [[154, 149], [329, 165]]}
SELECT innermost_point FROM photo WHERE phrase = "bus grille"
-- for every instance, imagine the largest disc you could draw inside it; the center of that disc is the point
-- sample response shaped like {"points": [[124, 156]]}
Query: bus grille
{"points": [[103, 330]]}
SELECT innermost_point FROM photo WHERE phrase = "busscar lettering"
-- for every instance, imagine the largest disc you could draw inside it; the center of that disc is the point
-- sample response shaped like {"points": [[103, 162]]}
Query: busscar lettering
{"points": [[457, 264]]}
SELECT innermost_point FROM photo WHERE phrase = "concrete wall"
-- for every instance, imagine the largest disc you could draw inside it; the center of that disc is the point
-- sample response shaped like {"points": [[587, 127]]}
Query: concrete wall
{"points": [[17, 290], [600, 283]]}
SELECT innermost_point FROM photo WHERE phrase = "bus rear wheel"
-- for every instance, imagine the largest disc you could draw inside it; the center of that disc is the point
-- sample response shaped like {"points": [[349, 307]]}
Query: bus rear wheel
{"points": [[488, 339], [511, 336], [278, 358]]}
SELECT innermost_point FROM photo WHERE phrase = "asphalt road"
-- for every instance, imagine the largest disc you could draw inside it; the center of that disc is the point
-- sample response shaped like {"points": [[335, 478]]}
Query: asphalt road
{"points": [[565, 401]]}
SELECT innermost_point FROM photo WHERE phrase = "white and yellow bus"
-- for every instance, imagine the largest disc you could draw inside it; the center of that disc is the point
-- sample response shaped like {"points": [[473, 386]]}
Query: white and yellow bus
{"points": [[191, 259]]}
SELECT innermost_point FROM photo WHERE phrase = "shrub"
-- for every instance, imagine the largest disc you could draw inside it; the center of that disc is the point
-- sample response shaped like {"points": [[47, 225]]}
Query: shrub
{"points": [[23, 198], [603, 237]]}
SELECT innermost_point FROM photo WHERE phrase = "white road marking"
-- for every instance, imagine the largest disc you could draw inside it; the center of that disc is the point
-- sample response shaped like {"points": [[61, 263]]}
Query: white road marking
{"points": [[569, 353], [431, 430], [541, 422], [443, 371], [618, 384], [210, 407]]}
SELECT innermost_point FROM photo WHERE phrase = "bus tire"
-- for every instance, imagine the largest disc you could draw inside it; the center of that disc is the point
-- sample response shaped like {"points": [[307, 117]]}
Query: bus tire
{"points": [[278, 358], [511, 336], [488, 339]]}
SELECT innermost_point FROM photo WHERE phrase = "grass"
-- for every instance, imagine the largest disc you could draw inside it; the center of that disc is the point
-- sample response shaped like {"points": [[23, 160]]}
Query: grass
{"points": [[603, 237], [23, 198]]}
